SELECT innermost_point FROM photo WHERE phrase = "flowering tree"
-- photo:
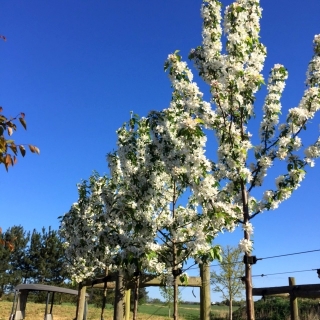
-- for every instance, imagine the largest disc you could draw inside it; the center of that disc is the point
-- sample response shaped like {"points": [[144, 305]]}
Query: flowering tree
{"points": [[133, 219], [234, 77], [80, 229], [162, 156]]}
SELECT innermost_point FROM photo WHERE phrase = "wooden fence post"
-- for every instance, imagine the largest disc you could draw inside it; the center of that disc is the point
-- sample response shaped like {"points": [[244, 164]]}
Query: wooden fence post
{"points": [[201, 293], [81, 301], [293, 301], [127, 304], [205, 299]]}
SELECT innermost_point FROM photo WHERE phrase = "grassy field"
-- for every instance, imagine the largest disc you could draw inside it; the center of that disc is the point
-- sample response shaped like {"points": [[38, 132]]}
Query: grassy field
{"points": [[35, 311]]}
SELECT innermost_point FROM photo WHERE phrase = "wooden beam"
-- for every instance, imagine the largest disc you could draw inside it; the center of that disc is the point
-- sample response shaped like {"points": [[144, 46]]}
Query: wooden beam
{"points": [[146, 281], [92, 282], [309, 294], [286, 289], [154, 281]]}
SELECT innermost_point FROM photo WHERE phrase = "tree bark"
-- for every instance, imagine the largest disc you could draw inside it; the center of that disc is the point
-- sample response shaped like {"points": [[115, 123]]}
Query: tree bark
{"points": [[175, 284], [248, 275], [174, 263], [136, 297], [104, 299], [230, 309], [119, 297]]}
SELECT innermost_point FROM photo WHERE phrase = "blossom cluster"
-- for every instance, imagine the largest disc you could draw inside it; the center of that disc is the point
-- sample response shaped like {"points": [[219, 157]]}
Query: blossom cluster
{"points": [[134, 219]]}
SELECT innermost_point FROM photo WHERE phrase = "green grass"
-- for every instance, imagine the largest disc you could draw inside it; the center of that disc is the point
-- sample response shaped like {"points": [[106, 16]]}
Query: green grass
{"points": [[66, 311], [186, 311]]}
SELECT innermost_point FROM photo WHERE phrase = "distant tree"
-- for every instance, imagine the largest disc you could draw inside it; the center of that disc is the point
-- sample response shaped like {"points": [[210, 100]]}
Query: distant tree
{"points": [[167, 294], [37, 258], [228, 280], [4, 265], [155, 300], [19, 238], [47, 256], [142, 297]]}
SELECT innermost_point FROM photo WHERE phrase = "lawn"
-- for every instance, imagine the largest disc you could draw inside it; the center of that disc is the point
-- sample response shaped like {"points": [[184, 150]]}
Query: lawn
{"points": [[35, 311]]}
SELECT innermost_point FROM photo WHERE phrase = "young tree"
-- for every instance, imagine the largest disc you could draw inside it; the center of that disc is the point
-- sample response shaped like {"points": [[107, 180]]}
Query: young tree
{"points": [[229, 280], [161, 157], [234, 76], [167, 293]]}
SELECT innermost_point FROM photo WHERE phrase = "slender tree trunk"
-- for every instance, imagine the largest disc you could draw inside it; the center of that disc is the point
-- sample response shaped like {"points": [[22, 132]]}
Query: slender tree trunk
{"points": [[119, 297], [249, 299], [230, 309], [174, 263], [175, 284], [136, 296], [248, 275], [104, 299]]}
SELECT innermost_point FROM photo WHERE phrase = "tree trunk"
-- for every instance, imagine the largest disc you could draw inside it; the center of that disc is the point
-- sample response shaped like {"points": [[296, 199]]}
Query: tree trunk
{"points": [[249, 299], [119, 297], [230, 309], [104, 299], [136, 297], [248, 275], [175, 293], [174, 264]]}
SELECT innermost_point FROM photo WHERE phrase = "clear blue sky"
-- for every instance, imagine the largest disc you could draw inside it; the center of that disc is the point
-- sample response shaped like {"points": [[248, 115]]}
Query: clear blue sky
{"points": [[77, 68]]}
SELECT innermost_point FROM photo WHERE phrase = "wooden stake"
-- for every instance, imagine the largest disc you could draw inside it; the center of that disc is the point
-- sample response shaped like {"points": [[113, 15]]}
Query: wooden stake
{"points": [[81, 301], [127, 304], [293, 301], [205, 299]]}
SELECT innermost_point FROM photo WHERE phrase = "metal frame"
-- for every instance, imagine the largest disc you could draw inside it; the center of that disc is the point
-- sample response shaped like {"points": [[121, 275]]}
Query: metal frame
{"points": [[21, 296]]}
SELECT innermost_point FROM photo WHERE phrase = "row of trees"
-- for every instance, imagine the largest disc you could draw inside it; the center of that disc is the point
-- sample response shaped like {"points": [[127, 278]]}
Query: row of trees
{"points": [[37, 257], [164, 200]]}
